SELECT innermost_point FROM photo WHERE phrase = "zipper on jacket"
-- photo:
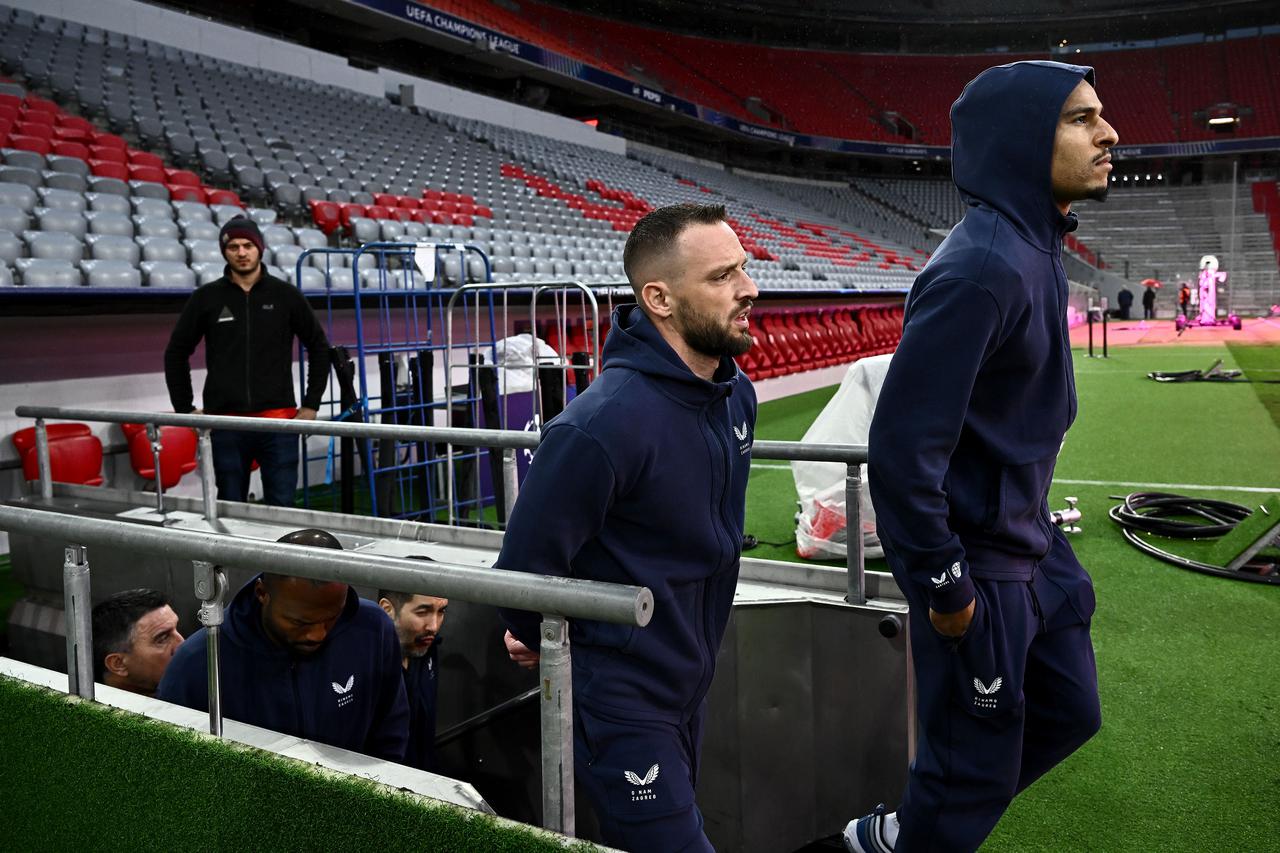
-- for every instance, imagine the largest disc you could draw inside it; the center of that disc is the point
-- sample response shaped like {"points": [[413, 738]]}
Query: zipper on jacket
{"points": [[248, 386]]}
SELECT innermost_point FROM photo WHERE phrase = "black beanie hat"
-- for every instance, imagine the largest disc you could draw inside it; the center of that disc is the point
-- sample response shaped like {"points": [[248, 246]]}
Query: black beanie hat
{"points": [[240, 228]]}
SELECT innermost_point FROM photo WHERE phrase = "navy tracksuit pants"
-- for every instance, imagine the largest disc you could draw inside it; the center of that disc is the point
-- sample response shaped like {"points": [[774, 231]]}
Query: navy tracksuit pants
{"points": [[1002, 705], [640, 775]]}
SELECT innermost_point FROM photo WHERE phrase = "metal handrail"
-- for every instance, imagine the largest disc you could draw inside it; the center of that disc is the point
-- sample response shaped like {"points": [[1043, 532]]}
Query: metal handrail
{"points": [[852, 456], [556, 692]]}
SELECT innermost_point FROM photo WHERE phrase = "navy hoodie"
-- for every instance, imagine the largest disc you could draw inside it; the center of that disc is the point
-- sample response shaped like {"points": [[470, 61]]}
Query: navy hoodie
{"points": [[420, 684], [980, 391], [641, 480], [349, 693]]}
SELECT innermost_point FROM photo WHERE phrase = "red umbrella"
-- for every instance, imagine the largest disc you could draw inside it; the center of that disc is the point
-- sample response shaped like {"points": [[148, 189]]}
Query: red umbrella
{"points": [[1150, 282]]}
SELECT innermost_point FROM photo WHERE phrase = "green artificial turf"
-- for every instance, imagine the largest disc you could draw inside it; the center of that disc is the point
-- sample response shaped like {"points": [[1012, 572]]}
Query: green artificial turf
{"points": [[1188, 758], [77, 775]]}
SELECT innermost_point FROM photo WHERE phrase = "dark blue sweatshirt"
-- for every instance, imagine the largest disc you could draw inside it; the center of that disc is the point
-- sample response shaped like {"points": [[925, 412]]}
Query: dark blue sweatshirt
{"points": [[349, 693], [420, 684], [980, 391], [641, 480]]}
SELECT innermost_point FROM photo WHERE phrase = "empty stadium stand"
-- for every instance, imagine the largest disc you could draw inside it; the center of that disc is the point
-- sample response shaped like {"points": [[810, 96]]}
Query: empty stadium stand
{"points": [[1161, 93]]}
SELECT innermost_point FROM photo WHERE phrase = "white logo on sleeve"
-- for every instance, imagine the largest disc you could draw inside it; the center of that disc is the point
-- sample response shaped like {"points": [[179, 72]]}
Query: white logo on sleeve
{"points": [[985, 693], [642, 790], [940, 580], [744, 437], [955, 570], [344, 690]]}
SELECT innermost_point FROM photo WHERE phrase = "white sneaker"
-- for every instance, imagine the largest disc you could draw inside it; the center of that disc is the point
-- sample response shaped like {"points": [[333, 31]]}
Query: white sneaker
{"points": [[873, 833]]}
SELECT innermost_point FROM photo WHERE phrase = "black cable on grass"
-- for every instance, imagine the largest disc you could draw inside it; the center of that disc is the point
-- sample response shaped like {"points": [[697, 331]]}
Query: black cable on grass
{"points": [[1165, 514]]}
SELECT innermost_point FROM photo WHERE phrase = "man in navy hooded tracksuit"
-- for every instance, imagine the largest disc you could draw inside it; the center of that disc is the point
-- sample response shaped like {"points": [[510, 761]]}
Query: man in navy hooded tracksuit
{"points": [[303, 658], [966, 432], [642, 480]]}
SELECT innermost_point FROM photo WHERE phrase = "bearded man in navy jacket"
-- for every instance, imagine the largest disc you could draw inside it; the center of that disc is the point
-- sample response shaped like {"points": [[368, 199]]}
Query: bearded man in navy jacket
{"points": [[303, 657], [642, 480], [963, 444]]}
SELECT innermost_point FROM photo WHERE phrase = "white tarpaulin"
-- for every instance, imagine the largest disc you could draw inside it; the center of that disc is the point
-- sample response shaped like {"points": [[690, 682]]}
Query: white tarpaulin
{"points": [[820, 523]]}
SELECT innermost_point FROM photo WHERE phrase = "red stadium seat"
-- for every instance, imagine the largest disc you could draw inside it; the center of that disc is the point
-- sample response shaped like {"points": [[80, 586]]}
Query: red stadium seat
{"points": [[67, 148], [75, 454], [144, 158], [326, 215], [109, 169], [185, 192], [30, 143], [108, 153], [182, 177], [151, 174], [177, 453], [217, 196]]}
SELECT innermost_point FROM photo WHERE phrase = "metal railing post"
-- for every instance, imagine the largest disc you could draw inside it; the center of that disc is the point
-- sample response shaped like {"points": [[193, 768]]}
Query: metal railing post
{"points": [[556, 675], [42, 458], [854, 556], [207, 479], [211, 588], [153, 436], [510, 480], [78, 610]]}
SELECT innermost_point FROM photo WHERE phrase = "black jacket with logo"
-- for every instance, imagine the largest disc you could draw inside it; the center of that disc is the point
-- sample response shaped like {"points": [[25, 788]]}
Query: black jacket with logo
{"points": [[248, 341]]}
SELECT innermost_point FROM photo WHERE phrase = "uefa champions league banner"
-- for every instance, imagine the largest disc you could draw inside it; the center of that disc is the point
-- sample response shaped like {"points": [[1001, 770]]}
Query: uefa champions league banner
{"points": [[419, 15]]}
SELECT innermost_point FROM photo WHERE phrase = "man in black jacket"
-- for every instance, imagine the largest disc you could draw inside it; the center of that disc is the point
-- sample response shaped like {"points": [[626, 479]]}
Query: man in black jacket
{"points": [[248, 321]]}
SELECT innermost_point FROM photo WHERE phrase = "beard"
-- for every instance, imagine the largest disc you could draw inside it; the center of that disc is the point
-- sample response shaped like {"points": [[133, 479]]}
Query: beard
{"points": [[708, 335], [1098, 193]]}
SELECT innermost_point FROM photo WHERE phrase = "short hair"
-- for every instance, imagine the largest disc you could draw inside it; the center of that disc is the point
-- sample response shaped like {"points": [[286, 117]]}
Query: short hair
{"points": [[657, 232], [400, 599], [113, 622], [313, 536]]}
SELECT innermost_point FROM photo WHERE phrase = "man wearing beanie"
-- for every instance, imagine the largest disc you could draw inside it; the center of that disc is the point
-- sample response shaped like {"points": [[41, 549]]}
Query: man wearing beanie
{"points": [[248, 321]]}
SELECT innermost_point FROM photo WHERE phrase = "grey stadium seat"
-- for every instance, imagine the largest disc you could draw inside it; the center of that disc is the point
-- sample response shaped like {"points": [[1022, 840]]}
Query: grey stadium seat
{"points": [[146, 189], [278, 235], [224, 213], [22, 159], [43, 272], [20, 175], [162, 249], [20, 196], [312, 278], [155, 226], [192, 211], [153, 207], [109, 223], [111, 274], [10, 247], [53, 219], [286, 257], [69, 165], [111, 186], [6, 276], [196, 229], [391, 230], [112, 247], [65, 181], [53, 245], [168, 274], [206, 273], [108, 203], [261, 215], [311, 238], [57, 199], [13, 219], [205, 252]]}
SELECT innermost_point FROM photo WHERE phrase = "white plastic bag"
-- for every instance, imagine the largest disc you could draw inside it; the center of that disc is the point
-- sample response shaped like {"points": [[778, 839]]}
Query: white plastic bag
{"points": [[515, 355], [820, 486]]}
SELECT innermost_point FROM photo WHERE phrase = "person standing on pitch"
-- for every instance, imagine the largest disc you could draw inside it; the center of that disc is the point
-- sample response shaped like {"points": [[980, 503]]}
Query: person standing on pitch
{"points": [[642, 480], [248, 321], [962, 449], [1149, 303]]}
